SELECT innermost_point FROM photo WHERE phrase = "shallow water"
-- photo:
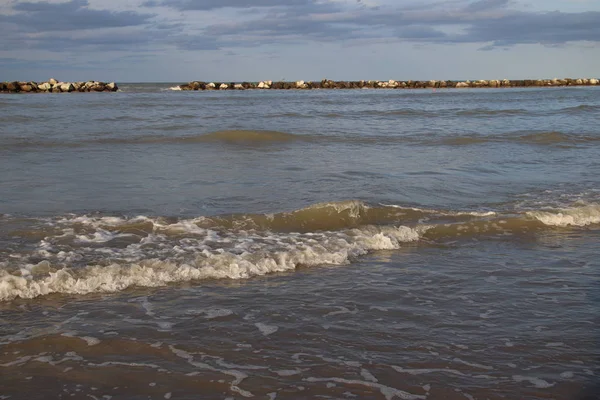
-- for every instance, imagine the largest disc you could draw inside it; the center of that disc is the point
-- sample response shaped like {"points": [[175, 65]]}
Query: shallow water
{"points": [[334, 244]]}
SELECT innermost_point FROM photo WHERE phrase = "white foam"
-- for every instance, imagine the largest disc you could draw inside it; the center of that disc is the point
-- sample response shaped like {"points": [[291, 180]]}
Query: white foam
{"points": [[175, 88], [577, 216], [388, 392], [421, 371], [91, 341], [474, 365], [368, 376], [234, 255], [288, 372], [537, 382], [266, 329], [211, 313]]}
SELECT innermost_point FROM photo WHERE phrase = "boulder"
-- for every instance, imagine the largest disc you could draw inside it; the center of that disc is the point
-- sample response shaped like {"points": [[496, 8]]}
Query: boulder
{"points": [[26, 88], [223, 86], [462, 85], [98, 87], [66, 87], [44, 86], [112, 86], [594, 81], [52, 81], [299, 84], [210, 86], [13, 86], [579, 82], [239, 86]]}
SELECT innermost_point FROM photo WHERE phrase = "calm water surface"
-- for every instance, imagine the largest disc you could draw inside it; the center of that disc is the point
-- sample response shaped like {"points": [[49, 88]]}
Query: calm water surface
{"points": [[380, 244]]}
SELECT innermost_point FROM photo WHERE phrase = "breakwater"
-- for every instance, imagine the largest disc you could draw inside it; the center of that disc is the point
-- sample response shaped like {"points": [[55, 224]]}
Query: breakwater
{"points": [[390, 84], [54, 86]]}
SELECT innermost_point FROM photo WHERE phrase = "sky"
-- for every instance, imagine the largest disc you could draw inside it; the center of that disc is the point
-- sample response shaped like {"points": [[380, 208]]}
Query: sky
{"points": [[253, 40]]}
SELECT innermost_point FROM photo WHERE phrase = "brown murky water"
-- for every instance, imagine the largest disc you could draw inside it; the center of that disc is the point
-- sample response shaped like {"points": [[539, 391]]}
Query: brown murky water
{"points": [[388, 245]]}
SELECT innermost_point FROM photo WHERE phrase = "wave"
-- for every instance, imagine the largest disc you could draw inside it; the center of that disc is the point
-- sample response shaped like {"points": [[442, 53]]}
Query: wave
{"points": [[550, 138], [485, 112], [581, 108], [88, 254], [225, 136], [543, 138], [244, 136]]}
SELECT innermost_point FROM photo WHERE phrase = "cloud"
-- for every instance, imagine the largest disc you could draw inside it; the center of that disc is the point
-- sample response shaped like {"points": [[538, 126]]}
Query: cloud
{"points": [[483, 21], [79, 28], [205, 5], [482, 5], [69, 16], [73, 26]]}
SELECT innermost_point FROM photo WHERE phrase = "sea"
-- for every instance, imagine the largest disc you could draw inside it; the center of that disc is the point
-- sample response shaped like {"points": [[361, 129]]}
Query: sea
{"points": [[300, 244]]}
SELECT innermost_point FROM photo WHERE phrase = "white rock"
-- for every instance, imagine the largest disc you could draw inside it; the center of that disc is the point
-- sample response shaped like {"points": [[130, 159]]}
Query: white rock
{"points": [[211, 85], [44, 86], [65, 86], [223, 86], [594, 81], [299, 84], [238, 86], [269, 83], [111, 85], [579, 82], [261, 85], [52, 81], [462, 85]]}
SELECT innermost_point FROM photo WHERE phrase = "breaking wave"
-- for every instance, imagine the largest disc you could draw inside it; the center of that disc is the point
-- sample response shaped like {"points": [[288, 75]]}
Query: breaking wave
{"points": [[89, 254]]}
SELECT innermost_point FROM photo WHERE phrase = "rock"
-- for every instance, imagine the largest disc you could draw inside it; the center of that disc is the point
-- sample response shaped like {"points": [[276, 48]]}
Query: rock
{"points": [[579, 82], [112, 86], [26, 88], [211, 85], [98, 87], [223, 86], [462, 85], [299, 84], [52, 81], [66, 87], [13, 86], [239, 86], [594, 81]]}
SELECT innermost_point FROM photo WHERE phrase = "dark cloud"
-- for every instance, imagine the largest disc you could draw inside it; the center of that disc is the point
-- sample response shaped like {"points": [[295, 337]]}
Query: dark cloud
{"points": [[491, 23], [205, 5], [69, 16], [484, 21], [545, 28]]}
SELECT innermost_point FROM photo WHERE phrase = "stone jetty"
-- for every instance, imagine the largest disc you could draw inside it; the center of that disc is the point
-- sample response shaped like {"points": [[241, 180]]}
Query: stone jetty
{"points": [[54, 86], [391, 84]]}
